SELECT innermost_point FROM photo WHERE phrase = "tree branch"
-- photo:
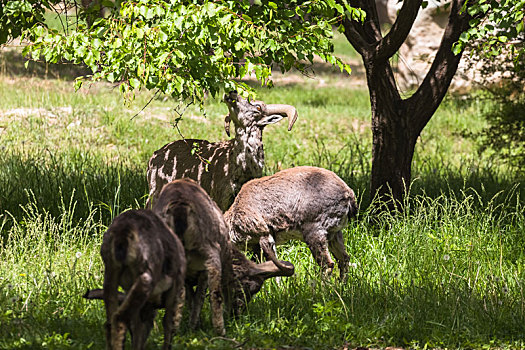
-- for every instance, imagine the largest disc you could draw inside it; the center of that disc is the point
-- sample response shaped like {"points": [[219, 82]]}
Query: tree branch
{"points": [[391, 43], [363, 35], [356, 37], [430, 93]]}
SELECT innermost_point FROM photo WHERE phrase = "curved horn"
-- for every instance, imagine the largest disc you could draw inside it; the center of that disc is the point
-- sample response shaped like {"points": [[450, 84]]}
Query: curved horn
{"points": [[270, 269], [284, 266], [287, 110], [227, 121]]}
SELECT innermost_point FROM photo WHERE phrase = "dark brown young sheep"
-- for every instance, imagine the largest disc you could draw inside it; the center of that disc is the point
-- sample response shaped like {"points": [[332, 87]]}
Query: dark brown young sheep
{"points": [[143, 256]]}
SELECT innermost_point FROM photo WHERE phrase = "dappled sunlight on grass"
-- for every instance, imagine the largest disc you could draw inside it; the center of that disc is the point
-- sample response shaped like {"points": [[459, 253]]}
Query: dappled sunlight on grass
{"points": [[446, 273]]}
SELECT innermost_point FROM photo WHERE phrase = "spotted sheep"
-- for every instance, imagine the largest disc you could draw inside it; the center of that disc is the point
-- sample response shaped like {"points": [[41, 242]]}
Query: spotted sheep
{"points": [[213, 262], [221, 168], [305, 203], [143, 256]]}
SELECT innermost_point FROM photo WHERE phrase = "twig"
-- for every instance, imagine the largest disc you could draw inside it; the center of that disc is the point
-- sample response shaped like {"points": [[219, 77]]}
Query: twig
{"points": [[237, 344], [197, 150], [146, 105]]}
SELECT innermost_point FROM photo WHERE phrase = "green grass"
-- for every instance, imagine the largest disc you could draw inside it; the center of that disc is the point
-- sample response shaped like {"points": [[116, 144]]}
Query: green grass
{"points": [[447, 273]]}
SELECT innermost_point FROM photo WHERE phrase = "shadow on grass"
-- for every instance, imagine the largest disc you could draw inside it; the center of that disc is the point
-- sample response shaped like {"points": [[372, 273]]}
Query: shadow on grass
{"points": [[53, 332], [12, 63], [436, 314], [76, 176], [70, 177]]}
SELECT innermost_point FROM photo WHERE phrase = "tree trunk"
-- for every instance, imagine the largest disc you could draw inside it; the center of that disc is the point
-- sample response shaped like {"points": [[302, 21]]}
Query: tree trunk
{"points": [[392, 153], [397, 122], [394, 137]]}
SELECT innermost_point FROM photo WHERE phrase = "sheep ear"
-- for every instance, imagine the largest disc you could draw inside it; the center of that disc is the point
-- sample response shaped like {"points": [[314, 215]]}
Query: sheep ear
{"points": [[98, 294], [227, 121], [269, 269], [269, 119], [94, 294]]}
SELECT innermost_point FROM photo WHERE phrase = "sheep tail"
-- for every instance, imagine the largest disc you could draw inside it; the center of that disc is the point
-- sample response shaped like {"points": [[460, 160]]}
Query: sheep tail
{"points": [[124, 244]]}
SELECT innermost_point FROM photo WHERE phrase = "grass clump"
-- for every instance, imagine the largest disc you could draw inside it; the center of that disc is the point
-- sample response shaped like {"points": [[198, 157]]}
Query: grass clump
{"points": [[446, 273], [46, 263]]}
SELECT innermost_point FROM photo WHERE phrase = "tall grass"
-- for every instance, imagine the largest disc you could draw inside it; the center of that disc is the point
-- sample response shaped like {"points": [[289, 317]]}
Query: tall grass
{"points": [[446, 273], [47, 262]]}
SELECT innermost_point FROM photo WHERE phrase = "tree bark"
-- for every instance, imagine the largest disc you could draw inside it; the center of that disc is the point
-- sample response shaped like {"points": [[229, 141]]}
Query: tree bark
{"points": [[393, 137], [396, 122]]}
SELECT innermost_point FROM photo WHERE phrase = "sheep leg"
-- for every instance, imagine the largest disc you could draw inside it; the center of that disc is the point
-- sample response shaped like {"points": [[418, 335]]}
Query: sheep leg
{"points": [[129, 310], [198, 299], [337, 248], [110, 295], [267, 244], [213, 266], [179, 305], [317, 242], [141, 325], [269, 248], [173, 314]]}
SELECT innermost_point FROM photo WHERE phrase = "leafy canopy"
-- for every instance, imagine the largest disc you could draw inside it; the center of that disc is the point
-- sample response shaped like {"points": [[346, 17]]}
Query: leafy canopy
{"points": [[18, 15], [497, 27], [189, 48]]}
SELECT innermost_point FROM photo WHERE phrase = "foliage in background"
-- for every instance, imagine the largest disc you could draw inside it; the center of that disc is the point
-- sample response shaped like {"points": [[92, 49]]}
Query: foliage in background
{"points": [[188, 49], [502, 81], [500, 31]]}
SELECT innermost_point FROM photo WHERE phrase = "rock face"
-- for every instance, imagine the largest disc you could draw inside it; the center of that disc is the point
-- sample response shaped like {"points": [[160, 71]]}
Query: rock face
{"points": [[417, 53], [420, 47]]}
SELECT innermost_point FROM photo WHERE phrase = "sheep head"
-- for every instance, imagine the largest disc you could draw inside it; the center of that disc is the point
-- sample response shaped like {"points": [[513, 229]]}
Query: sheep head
{"points": [[250, 278], [246, 114]]}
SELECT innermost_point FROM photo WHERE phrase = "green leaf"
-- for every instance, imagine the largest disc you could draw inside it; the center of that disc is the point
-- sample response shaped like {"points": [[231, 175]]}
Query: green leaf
{"points": [[239, 45], [178, 84], [97, 43], [142, 11], [163, 57], [139, 33], [135, 83], [116, 43], [150, 13], [78, 83], [457, 48], [464, 37], [141, 69]]}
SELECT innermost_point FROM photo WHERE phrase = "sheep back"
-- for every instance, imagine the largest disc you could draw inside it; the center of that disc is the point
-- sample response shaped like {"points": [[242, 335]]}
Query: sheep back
{"points": [[200, 160], [289, 200]]}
